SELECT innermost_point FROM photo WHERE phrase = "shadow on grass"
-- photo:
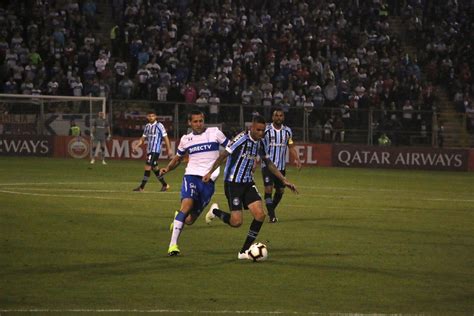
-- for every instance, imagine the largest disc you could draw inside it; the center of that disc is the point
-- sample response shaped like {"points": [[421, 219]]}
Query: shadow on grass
{"points": [[366, 229], [320, 219]]}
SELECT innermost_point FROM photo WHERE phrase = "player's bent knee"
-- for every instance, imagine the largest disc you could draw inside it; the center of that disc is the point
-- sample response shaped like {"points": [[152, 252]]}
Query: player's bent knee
{"points": [[260, 217], [235, 221], [189, 220], [235, 224]]}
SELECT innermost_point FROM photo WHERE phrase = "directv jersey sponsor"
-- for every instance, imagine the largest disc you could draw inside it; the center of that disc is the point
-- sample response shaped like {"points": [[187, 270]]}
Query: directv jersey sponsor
{"points": [[276, 143], [199, 148], [154, 134], [203, 150], [243, 153]]}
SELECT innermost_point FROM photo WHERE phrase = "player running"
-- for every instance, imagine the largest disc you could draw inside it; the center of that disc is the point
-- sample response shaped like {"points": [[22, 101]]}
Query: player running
{"points": [[239, 184], [99, 134], [277, 139], [154, 133], [202, 146]]}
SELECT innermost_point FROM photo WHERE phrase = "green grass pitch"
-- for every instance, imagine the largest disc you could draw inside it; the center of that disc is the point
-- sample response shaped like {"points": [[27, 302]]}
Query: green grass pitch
{"points": [[353, 241]]}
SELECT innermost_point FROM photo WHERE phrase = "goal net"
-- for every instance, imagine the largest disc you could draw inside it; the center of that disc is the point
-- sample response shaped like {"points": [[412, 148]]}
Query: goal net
{"points": [[48, 115]]}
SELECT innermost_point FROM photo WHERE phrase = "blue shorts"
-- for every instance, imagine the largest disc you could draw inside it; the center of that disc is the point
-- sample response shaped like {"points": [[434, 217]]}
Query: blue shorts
{"points": [[200, 192]]}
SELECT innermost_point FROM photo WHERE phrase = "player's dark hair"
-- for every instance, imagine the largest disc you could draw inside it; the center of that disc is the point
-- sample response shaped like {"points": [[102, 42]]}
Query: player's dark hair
{"points": [[194, 112], [277, 110], [258, 119], [151, 112]]}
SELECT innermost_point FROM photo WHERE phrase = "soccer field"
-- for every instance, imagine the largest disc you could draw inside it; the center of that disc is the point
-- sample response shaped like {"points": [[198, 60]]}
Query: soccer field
{"points": [[352, 241]]}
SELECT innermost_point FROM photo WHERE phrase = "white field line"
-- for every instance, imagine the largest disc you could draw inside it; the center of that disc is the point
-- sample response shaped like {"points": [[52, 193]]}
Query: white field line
{"points": [[134, 183], [193, 312], [131, 199], [161, 199], [78, 196], [338, 196], [102, 197], [319, 188], [135, 193]]}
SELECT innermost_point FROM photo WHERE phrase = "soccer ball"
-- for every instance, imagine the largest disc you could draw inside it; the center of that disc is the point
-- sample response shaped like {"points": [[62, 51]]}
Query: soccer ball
{"points": [[258, 252]]}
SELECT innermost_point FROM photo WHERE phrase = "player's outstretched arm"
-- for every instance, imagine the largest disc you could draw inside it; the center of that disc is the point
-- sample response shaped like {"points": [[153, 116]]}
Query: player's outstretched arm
{"points": [[294, 154], [273, 169], [222, 156], [172, 164]]}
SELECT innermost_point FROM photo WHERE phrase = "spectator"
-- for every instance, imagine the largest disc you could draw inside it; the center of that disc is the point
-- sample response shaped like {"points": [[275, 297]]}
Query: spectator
{"points": [[202, 103], [162, 93], [384, 140], [126, 87], [143, 75], [120, 70], [214, 103], [189, 93], [327, 128], [338, 130]]}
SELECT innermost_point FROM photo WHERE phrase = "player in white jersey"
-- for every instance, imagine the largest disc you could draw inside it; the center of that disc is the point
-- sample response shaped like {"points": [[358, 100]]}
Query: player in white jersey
{"points": [[202, 146], [277, 139]]}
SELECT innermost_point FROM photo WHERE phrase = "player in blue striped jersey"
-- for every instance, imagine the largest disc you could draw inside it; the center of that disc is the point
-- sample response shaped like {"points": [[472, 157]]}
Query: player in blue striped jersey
{"points": [[277, 139], [239, 184], [154, 134]]}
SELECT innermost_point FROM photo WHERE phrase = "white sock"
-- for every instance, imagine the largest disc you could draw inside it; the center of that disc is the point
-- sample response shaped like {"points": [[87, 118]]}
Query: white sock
{"points": [[177, 228]]}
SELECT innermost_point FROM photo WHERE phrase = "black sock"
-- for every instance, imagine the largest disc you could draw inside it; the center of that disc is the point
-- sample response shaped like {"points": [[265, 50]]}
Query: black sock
{"points": [[159, 177], [276, 199], [269, 204], [252, 235], [146, 175], [224, 216]]}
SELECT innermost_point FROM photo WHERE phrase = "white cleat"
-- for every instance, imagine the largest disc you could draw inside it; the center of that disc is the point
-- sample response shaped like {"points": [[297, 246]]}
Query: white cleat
{"points": [[210, 215], [243, 255], [103, 162], [92, 161]]}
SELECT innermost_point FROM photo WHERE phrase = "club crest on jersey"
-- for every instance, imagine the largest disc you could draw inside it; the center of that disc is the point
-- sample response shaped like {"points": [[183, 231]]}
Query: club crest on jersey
{"points": [[236, 201]]}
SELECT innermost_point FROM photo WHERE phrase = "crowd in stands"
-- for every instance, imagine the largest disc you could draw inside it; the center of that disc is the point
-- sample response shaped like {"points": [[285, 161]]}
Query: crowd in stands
{"points": [[338, 55], [444, 36]]}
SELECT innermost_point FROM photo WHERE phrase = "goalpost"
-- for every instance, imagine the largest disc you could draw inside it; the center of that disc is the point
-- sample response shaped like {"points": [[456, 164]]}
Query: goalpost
{"points": [[49, 115]]}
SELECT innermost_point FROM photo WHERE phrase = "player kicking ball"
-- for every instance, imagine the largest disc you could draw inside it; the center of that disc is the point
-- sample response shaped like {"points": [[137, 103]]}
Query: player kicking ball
{"points": [[239, 184], [154, 133], [202, 146]]}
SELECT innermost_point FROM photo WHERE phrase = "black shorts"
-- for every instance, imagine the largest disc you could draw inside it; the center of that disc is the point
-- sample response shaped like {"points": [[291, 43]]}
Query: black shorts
{"points": [[240, 195], [152, 159], [269, 179]]}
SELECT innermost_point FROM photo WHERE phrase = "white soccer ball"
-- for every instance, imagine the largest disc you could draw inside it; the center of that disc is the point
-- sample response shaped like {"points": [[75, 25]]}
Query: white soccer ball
{"points": [[258, 252]]}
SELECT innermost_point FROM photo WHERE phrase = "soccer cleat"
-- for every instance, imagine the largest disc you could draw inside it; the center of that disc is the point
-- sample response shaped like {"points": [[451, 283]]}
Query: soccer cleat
{"points": [[173, 250], [165, 187], [138, 189], [172, 223], [103, 162], [243, 255], [92, 161], [210, 214], [273, 220]]}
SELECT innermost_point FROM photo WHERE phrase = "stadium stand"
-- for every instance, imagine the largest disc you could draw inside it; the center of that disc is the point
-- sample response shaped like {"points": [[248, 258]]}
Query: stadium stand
{"points": [[340, 56]]}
